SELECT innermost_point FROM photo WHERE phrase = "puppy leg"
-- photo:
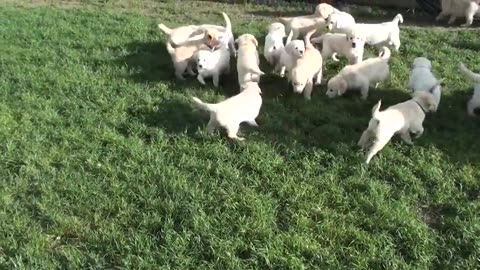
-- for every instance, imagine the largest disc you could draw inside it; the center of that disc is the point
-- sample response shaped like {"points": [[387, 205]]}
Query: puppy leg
{"points": [[307, 92], [180, 68], [212, 125], [318, 79], [406, 137], [364, 89], [469, 13], [232, 132], [364, 139], [377, 146], [190, 71], [452, 19], [216, 79], [200, 79]]}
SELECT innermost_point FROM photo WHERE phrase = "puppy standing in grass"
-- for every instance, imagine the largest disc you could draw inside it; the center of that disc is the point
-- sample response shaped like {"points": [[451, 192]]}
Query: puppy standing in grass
{"points": [[274, 43], [422, 78], [473, 105], [212, 64], [337, 21], [293, 50], [404, 118], [360, 76], [248, 60], [459, 8], [382, 34], [303, 24], [349, 45], [230, 113], [307, 69]]}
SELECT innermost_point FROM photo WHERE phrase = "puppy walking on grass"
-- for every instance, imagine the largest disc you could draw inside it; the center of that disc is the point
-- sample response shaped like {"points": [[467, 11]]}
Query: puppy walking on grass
{"points": [[248, 60], [230, 113], [473, 105], [404, 118], [307, 69]]}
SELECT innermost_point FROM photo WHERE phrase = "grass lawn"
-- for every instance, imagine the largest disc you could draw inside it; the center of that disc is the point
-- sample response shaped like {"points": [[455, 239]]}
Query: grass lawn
{"points": [[105, 164]]}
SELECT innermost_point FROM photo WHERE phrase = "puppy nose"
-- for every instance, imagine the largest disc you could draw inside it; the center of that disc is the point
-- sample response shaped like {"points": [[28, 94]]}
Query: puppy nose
{"points": [[301, 52], [354, 44], [200, 66]]}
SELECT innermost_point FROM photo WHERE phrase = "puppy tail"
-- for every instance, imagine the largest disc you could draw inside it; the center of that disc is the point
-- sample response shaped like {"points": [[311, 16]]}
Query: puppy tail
{"points": [[376, 109], [203, 106], [308, 36], [228, 23], [468, 73], [385, 53], [334, 57], [170, 48], [289, 38], [164, 28], [398, 19]]}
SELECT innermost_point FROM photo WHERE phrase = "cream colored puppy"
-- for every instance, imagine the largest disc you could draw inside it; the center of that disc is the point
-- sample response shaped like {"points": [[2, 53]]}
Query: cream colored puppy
{"points": [[248, 60], [303, 24], [348, 45], [337, 21], [212, 64], [307, 69], [230, 113], [402, 119], [274, 43], [224, 35], [382, 34], [360, 76], [422, 78], [293, 50], [459, 8], [473, 105]]}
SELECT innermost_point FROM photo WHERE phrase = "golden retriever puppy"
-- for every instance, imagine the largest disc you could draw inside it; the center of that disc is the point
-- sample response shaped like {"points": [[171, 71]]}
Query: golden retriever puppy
{"points": [[473, 105], [459, 8], [422, 78], [230, 113], [402, 119], [349, 45], [337, 21], [289, 54], [382, 34], [183, 56], [307, 69], [360, 76], [303, 24], [248, 60], [274, 43]]}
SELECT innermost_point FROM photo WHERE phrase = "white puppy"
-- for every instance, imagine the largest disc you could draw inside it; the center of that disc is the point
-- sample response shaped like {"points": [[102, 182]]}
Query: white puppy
{"points": [[348, 45], [212, 64], [360, 76], [302, 24], [274, 43], [382, 34], [403, 118], [459, 8], [230, 113], [337, 21], [422, 78], [473, 105], [289, 54], [224, 35], [307, 69], [248, 60]]}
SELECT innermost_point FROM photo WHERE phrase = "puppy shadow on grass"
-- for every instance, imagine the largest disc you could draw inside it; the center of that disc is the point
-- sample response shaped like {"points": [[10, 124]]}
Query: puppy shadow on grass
{"points": [[147, 62]]}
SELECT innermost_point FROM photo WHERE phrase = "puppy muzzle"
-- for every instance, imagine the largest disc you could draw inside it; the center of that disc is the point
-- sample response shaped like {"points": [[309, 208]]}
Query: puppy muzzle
{"points": [[354, 45]]}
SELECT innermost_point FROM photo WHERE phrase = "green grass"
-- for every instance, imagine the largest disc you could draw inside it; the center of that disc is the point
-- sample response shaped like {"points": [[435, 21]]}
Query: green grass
{"points": [[105, 164]]}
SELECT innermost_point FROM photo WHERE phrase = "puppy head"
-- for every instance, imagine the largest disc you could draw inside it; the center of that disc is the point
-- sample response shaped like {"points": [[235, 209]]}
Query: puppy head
{"points": [[426, 100], [203, 59], [247, 40], [212, 39], [277, 28], [336, 86], [323, 10], [422, 62], [357, 39], [299, 80], [296, 48]]}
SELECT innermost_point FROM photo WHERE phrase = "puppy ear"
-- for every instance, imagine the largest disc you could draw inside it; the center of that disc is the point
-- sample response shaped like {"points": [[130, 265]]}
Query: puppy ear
{"points": [[254, 41], [342, 87]]}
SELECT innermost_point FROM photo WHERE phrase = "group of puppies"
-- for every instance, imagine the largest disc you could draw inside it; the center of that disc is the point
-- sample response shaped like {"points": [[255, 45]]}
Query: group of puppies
{"points": [[208, 49]]}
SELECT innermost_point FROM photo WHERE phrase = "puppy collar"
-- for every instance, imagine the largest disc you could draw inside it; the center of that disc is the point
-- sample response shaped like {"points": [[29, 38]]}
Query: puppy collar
{"points": [[421, 107]]}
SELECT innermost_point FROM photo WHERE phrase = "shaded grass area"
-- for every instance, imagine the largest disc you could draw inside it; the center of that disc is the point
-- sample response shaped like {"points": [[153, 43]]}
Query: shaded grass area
{"points": [[105, 164]]}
